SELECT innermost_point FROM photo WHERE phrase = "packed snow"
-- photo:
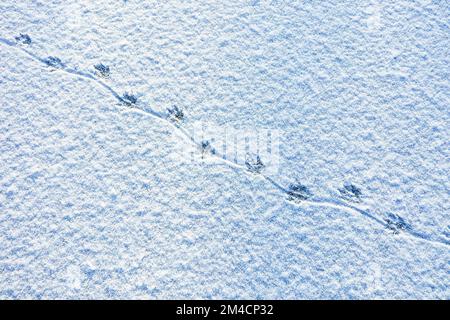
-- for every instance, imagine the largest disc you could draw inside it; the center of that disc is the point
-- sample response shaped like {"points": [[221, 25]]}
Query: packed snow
{"points": [[128, 168]]}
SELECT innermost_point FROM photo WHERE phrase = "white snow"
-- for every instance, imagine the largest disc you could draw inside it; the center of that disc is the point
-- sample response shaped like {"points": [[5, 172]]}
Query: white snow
{"points": [[105, 199]]}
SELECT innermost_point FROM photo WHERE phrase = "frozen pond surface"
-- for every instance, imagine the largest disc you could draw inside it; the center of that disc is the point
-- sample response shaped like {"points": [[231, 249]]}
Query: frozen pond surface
{"points": [[108, 189]]}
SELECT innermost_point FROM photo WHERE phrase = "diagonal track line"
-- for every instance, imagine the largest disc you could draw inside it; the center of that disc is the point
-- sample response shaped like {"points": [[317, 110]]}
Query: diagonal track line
{"points": [[317, 202]]}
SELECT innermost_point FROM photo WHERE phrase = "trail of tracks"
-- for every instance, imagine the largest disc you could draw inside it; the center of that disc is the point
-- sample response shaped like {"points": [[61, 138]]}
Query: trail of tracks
{"points": [[318, 202]]}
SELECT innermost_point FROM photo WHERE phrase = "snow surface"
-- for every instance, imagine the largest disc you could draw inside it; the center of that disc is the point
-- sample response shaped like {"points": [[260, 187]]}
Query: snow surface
{"points": [[97, 201]]}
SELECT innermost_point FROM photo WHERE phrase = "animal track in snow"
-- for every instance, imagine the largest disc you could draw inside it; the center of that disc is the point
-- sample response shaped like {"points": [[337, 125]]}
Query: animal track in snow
{"points": [[54, 62], [175, 114], [351, 192], [23, 39], [391, 222], [298, 192], [255, 166], [102, 70]]}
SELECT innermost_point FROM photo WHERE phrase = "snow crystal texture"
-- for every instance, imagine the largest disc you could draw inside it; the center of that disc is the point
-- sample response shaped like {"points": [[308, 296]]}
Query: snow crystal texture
{"points": [[97, 201]]}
